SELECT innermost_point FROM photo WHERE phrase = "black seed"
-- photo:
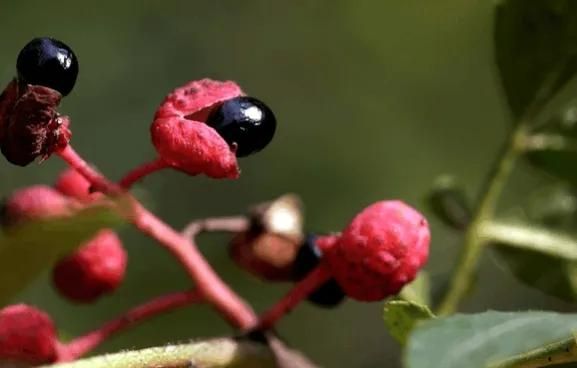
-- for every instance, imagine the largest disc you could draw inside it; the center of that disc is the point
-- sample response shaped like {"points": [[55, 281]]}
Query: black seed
{"points": [[245, 122], [308, 257], [48, 62], [328, 295], [255, 335]]}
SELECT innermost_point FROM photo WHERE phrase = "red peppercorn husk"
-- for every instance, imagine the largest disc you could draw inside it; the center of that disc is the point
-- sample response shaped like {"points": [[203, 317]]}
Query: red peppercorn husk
{"points": [[269, 247], [34, 203], [95, 269], [32, 128], [195, 99], [194, 148], [379, 252], [27, 335], [266, 256], [181, 137], [72, 184]]}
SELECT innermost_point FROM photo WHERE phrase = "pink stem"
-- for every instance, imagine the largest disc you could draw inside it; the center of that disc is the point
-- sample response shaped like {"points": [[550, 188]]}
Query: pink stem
{"points": [[235, 224], [209, 285], [141, 171], [300, 291], [96, 179], [162, 304], [216, 292]]}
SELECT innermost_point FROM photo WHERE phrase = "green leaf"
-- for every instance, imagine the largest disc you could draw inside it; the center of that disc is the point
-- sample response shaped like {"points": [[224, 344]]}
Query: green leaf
{"points": [[479, 340], [558, 158], [563, 119], [554, 207], [213, 353], [419, 290], [449, 203], [552, 275], [536, 49], [401, 316], [29, 249], [530, 237], [538, 257]]}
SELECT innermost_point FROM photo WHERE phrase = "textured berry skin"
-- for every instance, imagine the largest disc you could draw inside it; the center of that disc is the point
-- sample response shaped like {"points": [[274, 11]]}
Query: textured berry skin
{"points": [[48, 62], [380, 251], [27, 334], [193, 147], [93, 270], [72, 184], [245, 123], [308, 257], [7, 101], [182, 138], [195, 99], [34, 203]]}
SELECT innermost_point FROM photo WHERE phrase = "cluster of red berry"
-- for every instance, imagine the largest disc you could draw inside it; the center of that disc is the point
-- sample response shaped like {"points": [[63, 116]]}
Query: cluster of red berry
{"points": [[200, 128]]}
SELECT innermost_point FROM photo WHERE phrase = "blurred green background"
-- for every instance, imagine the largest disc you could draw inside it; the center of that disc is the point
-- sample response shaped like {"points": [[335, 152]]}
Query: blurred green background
{"points": [[374, 100]]}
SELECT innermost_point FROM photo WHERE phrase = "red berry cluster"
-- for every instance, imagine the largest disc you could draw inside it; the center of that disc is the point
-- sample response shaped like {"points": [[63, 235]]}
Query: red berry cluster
{"points": [[380, 251], [97, 267], [200, 128]]}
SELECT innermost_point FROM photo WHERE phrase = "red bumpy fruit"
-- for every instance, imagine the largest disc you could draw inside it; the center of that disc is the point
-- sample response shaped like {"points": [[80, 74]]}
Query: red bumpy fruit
{"points": [[72, 184], [33, 203], [97, 267], [183, 139], [379, 252], [27, 335], [93, 270]]}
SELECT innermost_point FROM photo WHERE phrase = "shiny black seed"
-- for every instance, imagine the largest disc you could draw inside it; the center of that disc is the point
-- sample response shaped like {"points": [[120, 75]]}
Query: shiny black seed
{"points": [[245, 122], [327, 295], [48, 62], [308, 257]]}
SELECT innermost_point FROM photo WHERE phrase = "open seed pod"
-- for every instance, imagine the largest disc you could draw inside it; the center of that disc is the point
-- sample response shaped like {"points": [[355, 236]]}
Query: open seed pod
{"points": [[282, 216], [270, 245]]}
